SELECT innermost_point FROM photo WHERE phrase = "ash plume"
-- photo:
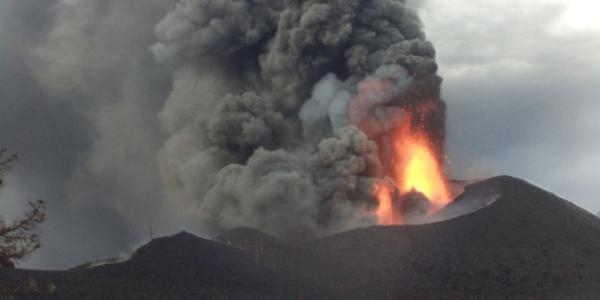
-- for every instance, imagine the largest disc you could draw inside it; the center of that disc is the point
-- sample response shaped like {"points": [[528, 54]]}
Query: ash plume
{"points": [[267, 101]]}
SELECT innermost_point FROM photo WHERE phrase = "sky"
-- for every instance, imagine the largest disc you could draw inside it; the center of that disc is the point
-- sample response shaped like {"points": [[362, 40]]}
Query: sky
{"points": [[521, 83]]}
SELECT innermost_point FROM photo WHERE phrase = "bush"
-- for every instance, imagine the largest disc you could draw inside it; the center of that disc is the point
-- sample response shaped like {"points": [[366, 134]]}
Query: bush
{"points": [[20, 238]]}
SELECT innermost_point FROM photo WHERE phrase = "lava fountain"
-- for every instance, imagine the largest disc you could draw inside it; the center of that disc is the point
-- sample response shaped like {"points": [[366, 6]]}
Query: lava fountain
{"points": [[415, 166], [409, 138]]}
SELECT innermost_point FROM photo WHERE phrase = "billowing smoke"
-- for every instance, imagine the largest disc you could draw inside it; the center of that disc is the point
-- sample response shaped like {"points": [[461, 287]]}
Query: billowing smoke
{"points": [[277, 108]]}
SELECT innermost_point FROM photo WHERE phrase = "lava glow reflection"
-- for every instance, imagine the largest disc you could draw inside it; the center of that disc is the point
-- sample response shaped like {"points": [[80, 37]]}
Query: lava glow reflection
{"points": [[386, 213]]}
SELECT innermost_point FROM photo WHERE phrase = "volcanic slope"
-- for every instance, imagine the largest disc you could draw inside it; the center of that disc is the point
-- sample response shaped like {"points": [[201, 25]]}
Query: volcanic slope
{"points": [[527, 244]]}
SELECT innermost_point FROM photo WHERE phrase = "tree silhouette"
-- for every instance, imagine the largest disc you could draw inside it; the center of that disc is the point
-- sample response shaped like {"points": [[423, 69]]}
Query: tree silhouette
{"points": [[20, 238], [5, 164]]}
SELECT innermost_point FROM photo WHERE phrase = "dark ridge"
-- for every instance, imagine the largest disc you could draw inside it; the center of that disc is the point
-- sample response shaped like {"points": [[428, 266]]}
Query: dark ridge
{"points": [[527, 244], [245, 237], [252, 240]]}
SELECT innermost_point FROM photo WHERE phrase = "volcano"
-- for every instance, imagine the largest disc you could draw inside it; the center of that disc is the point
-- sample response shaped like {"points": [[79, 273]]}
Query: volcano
{"points": [[524, 243]]}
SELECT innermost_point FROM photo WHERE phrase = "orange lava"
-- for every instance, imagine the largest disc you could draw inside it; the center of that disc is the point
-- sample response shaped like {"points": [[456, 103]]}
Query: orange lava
{"points": [[386, 213], [416, 167]]}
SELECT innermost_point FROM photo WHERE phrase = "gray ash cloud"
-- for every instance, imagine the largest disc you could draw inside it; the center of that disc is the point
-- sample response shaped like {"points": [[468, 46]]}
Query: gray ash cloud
{"points": [[200, 115], [257, 121], [80, 92]]}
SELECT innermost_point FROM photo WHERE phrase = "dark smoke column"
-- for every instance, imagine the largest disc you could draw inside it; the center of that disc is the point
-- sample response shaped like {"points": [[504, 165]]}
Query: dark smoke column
{"points": [[262, 119]]}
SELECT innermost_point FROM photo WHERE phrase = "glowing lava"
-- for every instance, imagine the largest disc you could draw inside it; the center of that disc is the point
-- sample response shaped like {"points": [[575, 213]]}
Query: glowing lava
{"points": [[415, 167], [386, 213]]}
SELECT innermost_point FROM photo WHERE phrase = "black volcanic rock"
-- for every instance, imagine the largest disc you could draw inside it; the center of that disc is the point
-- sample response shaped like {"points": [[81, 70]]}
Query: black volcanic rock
{"points": [[526, 244]]}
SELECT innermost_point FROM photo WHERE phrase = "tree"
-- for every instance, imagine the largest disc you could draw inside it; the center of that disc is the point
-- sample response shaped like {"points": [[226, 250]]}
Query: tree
{"points": [[5, 164], [20, 238]]}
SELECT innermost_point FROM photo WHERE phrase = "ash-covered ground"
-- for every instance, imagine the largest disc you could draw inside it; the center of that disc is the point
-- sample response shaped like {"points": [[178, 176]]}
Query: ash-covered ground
{"points": [[527, 244]]}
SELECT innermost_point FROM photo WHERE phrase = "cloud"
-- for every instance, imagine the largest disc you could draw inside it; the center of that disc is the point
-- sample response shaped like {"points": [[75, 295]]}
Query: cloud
{"points": [[80, 93], [520, 83], [255, 150]]}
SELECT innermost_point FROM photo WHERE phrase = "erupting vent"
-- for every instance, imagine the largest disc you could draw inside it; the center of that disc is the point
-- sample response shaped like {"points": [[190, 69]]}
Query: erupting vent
{"points": [[415, 169]]}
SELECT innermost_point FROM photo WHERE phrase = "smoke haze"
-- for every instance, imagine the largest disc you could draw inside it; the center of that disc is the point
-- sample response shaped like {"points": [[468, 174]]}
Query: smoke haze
{"points": [[269, 146], [206, 115]]}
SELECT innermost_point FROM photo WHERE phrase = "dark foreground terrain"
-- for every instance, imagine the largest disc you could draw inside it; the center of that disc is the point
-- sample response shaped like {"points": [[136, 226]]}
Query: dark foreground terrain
{"points": [[528, 244]]}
